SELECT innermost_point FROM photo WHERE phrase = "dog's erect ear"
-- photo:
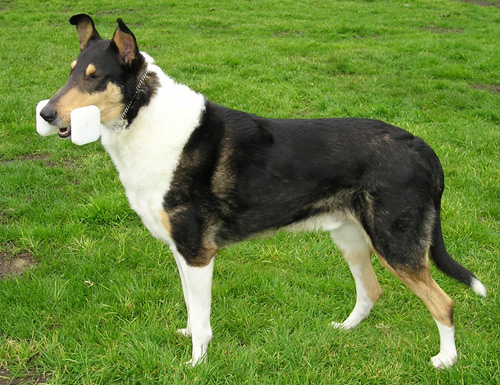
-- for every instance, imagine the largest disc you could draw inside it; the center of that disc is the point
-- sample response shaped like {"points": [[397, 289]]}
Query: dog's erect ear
{"points": [[125, 41], [85, 28]]}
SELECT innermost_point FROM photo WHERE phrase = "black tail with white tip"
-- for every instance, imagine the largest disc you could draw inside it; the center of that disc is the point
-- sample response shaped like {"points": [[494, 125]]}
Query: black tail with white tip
{"points": [[449, 266]]}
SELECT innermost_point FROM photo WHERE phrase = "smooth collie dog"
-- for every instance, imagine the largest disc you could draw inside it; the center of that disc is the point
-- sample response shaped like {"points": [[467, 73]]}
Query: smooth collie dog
{"points": [[202, 176]]}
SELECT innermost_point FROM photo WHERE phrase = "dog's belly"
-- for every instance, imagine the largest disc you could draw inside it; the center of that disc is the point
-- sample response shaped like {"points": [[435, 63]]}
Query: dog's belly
{"points": [[322, 222]]}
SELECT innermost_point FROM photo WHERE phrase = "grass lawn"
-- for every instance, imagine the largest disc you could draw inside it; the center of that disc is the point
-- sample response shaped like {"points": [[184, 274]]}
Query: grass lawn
{"points": [[103, 299]]}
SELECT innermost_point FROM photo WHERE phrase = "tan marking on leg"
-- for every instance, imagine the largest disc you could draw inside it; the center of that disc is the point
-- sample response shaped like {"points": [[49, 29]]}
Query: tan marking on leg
{"points": [[368, 277], [436, 300], [165, 220], [356, 248], [421, 283], [353, 243], [439, 304], [207, 253], [73, 64], [208, 249]]}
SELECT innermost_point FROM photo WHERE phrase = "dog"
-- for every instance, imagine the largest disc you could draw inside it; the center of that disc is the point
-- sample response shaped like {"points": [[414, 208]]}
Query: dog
{"points": [[202, 176]]}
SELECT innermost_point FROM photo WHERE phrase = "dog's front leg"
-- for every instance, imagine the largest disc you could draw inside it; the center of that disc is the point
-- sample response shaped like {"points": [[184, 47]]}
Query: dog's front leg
{"points": [[186, 332], [197, 287]]}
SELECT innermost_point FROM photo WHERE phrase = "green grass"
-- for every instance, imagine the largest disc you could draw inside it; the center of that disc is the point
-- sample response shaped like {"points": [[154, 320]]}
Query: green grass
{"points": [[104, 300]]}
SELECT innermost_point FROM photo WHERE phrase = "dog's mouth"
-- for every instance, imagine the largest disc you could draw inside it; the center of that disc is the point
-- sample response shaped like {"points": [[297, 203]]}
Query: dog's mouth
{"points": [[64, 132]]}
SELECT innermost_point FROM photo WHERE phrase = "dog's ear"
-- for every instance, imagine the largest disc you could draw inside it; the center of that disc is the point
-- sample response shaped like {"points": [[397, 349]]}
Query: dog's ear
{"points": [[125, 41], [85, 29]]}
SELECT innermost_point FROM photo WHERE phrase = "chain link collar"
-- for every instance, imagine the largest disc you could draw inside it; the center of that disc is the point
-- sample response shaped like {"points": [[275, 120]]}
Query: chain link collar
{"points": [[123, 122]]}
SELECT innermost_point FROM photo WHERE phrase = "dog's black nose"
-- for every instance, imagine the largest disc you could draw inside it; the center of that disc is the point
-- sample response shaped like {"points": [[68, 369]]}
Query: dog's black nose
{"points": [[48, 114]]}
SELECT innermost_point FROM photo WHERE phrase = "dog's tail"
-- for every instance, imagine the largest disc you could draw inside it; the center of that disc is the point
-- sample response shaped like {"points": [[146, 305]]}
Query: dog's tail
{"points": [[448, 265]]}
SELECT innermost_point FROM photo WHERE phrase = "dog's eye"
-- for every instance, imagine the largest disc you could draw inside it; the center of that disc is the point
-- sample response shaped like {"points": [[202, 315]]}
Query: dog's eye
{"points": [[93, 76]]}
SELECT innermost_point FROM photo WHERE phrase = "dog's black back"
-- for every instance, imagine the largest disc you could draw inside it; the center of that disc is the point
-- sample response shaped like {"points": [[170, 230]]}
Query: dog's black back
{"points": [[249, 174]]}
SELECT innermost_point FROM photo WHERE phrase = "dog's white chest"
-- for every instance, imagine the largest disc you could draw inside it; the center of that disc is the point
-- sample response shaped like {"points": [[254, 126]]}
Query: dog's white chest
{"points": [[145, 180], [147, 153]]}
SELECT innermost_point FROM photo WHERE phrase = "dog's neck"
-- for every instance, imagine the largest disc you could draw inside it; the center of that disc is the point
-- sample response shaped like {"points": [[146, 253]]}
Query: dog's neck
{"points": [[146, 154], [124, 120]]}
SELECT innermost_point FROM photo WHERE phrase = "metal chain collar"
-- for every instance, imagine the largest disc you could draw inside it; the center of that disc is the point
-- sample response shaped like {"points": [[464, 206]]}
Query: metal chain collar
{"points": [[122, 122]]}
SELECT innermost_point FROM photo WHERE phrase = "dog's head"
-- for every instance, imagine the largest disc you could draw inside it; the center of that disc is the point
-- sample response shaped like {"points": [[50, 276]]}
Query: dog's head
{"points": [[105, 74]]}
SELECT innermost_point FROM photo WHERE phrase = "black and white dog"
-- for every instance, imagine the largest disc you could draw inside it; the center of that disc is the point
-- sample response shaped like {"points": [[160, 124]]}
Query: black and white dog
{"points": [[202, 176]]}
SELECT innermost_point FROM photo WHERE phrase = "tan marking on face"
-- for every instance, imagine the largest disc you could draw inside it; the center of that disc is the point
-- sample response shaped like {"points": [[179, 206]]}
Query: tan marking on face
{"points": [[165, 220], [108, 101], [73, 64], [90, 70]]}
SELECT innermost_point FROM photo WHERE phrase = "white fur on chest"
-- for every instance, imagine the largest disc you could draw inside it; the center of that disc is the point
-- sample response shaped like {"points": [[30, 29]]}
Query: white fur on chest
{"points": [[147, 153]]}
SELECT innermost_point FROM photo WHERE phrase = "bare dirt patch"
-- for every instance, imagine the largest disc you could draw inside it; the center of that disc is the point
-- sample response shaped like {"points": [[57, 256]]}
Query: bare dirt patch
{"points": [[39, 157], [439, 30], [15, 264], [28, 379], [481, 3], [45, 158], [493, 88], [283, 33]]}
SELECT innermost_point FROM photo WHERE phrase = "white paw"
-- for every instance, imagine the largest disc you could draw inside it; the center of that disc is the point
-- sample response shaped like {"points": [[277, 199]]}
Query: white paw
{"points": [[442, 361], [194, 362], [346, 325], [184, 332]]}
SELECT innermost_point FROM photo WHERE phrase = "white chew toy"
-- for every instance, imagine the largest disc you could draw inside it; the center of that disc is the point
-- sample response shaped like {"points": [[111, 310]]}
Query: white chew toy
{"points": [[85, 124], [42, 127]]}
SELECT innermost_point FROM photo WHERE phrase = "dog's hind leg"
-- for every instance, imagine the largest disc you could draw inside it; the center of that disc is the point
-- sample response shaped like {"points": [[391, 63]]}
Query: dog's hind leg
{"points": [[437, 301], [401, 236], [353, 244]]}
